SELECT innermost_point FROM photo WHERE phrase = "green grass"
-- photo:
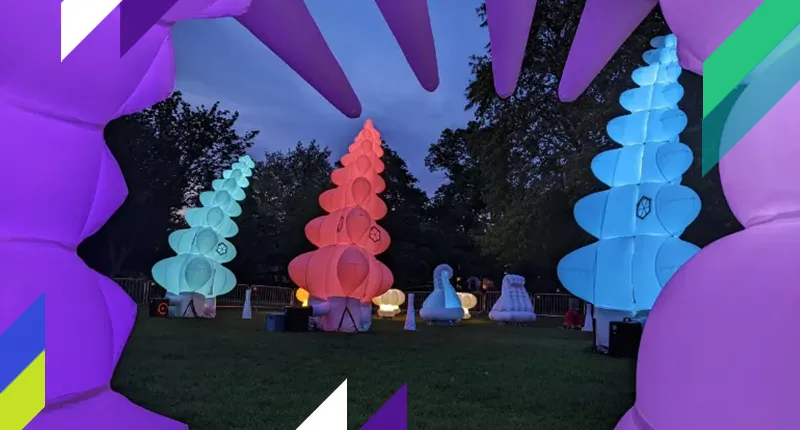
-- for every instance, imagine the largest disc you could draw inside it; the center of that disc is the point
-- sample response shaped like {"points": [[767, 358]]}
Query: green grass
{"points": [[230, 374]]}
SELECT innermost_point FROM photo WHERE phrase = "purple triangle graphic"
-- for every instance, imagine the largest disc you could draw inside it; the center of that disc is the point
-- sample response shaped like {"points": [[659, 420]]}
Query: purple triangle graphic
{"points": [[393, 415], [137, 19]]}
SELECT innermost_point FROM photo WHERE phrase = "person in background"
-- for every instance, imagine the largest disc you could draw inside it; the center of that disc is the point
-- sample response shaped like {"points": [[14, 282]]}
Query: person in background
{"points": [[574, 319]]}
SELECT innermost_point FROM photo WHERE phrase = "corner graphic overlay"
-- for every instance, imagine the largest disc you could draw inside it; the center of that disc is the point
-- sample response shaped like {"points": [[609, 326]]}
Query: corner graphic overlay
{"points": [[80, 17], [22, 369], [332, 413], [768, 36], [393, 415]]}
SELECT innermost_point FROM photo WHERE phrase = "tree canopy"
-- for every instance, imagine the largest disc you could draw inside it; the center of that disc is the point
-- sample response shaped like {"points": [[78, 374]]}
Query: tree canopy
{"points": [[167, 154]]}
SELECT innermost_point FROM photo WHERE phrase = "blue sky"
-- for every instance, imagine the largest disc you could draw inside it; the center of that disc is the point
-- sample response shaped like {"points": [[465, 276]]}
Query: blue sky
{"points": [[219, 60]]}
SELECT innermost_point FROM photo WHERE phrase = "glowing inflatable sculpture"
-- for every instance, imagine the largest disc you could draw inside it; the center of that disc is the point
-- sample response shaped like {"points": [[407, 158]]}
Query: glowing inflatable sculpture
{"points": [[762, 184], [698, 376], [343, 275], [514, 304], [389, 303], [203, 248], [639, 219], [468, 301], [443, 305]]}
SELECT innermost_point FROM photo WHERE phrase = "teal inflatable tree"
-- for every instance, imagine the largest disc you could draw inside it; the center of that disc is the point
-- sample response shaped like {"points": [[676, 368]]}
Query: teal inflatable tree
{"points": [[203, 247], [639, 220]]}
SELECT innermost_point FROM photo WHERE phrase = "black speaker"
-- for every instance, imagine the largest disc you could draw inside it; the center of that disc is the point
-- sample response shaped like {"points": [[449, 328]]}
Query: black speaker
{"points": [[296, 318], [159, 308], [624, 338]]}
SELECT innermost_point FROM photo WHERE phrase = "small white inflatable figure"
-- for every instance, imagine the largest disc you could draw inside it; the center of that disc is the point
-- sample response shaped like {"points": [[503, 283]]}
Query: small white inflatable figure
{"points": [[514, 304], [411, 317], [443, 305], [588, 324], [247, 309]]}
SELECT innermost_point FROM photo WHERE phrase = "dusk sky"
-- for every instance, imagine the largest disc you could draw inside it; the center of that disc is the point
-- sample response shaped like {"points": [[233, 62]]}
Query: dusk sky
{"points": [[220, 60]]}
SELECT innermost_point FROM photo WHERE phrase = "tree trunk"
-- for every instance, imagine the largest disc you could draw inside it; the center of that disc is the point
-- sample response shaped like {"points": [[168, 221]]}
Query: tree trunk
{"points": [[117, 259]]}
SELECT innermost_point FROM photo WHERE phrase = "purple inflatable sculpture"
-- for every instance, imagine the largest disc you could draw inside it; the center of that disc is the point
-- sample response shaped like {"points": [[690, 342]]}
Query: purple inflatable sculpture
{"points": [[728, 373]]}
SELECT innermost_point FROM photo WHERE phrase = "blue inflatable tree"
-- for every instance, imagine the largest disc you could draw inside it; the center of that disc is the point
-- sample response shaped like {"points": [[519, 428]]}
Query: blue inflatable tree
{"points": [[203, 248], [637, 221]]}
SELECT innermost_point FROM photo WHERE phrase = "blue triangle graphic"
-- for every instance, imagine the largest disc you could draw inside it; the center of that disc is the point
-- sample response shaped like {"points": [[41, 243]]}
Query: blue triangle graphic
{"points": [[393, 415]]}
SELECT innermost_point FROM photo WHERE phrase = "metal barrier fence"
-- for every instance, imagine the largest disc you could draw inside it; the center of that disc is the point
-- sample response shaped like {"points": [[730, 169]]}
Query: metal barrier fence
{"points": [[140, 290], [267, 296], [262, 296]]}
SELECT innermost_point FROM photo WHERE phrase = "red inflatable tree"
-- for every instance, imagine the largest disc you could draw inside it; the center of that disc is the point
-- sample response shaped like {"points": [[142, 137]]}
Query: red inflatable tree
{"points": [[343, 275]]}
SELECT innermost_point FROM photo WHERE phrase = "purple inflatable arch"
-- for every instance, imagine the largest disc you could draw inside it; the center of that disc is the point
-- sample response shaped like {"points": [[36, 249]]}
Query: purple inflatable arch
{"points": [[52, 116]]}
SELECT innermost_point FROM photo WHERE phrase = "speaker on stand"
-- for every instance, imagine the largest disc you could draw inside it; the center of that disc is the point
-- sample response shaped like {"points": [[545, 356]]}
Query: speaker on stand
{"points": [[624, 338], [296, 318]]}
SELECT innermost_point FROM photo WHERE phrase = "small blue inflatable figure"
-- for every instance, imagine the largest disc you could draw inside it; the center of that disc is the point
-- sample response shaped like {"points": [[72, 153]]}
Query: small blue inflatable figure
{"points": [[443, 305], [203, 248], [639, 219]]}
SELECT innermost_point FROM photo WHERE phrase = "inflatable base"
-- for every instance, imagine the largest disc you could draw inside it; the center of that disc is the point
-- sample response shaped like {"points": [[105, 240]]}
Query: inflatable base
{"points": [[388, 314], [344, 315], [602, 326], [366, 317], [512, 316], [443, 323], [441, 314], [210, 308], [191, 305], [588, 323]]}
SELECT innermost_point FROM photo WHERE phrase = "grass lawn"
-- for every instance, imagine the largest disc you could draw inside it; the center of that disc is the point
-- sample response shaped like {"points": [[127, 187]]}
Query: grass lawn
{"points": [[230, 374]]}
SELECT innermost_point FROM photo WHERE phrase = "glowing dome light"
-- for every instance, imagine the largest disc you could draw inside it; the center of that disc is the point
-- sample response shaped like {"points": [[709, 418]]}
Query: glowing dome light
{"points": [[468, 301], [639, 219], [389, 303], [301, 294]]}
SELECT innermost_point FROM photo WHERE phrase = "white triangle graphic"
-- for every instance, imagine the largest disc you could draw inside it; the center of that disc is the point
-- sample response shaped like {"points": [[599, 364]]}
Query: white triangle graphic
{"points": [[331, 414], [79, 18]]}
